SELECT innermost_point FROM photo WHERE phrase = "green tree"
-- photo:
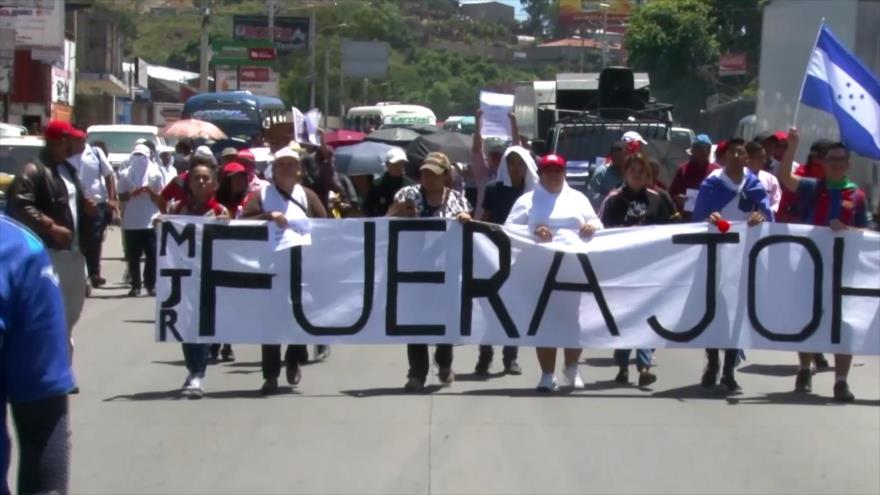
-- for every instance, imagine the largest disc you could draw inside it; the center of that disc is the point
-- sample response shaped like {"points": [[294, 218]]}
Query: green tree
{"points": [[674, 40], [541, 15]]}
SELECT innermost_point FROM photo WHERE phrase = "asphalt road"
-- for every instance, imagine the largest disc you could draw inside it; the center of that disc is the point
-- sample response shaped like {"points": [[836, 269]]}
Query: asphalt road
{"points": [[349, 429]]}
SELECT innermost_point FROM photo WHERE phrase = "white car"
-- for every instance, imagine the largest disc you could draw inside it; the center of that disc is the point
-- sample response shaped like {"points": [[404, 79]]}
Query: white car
{"points": [[120, 139], [15, 152], [12, 130]]}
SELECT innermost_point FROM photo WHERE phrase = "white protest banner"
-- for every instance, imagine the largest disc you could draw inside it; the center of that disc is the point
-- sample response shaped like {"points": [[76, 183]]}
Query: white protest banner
{"points": [[296, 234], [313, 122], [496, 108], [395, 281]]}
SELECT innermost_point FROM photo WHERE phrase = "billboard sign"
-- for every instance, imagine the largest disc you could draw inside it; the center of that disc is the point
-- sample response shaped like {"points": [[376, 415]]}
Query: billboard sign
{"points": [[733, 64], [36, 24], [365, 59], [291, 33]]}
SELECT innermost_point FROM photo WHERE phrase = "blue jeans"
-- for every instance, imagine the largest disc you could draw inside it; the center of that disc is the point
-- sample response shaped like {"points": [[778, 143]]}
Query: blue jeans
{"points": [[196, 358], [643, 358]]}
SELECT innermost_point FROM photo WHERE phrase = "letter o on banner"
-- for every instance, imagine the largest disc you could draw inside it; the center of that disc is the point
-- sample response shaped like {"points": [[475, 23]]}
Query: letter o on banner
{"points": [[810, 328]]}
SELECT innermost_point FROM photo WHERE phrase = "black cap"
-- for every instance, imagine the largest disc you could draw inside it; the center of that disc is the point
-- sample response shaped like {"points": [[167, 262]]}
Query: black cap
{"points": [[618, 146]]}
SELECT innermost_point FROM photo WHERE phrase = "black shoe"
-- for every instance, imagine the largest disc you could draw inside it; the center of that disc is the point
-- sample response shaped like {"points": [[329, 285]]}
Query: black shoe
{"points": [[74, 391], [482, 368], [821, 363], [322, 352], [710, 377], [622, 377], [646, 378], [730, 385], [151, 292], [804, 381], [512, 368], [294, 375], [97, 282], [213, 358], [446, 375], [270, 386], [842, 392], [226, 354], [414, 386], [134, 292]]}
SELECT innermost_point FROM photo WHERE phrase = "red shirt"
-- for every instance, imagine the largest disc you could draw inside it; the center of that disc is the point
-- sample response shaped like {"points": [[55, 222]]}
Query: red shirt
{"points": [[176, 189], [689, 176], [789, 205]]}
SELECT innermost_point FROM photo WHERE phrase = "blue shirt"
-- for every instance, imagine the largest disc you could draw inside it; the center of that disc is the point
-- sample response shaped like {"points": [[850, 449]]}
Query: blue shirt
{"points": [[34, 354]]}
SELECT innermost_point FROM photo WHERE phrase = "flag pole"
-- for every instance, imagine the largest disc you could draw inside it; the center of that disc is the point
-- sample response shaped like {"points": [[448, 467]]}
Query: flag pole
{"points": [[797, 106]]}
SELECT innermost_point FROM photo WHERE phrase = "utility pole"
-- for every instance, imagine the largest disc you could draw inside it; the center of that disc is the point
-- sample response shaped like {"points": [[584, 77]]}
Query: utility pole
{"points": [[604, 7], [205, 49], [326, 86], [270, 8], [341, 88], [313, 75]]}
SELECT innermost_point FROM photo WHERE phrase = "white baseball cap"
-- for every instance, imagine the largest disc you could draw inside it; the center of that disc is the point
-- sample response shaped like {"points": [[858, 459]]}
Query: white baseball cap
{"points": [[141, 149], [286, 152], [630, 136], [396, 155]]}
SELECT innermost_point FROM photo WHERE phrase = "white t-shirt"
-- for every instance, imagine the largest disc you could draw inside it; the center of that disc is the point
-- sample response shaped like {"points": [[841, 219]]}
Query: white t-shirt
{"points": [[93, 168], [771, 185], [272, 200], [140, 210], [71, 201], [569, 210], [168, 174]]}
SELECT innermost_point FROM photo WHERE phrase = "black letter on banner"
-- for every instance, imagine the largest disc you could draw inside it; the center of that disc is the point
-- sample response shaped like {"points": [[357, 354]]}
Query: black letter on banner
{"points": [[472, 288], [188, 236], [397, 277], [592, 285], [711, 241], [369, 282], [167, 321], [212, 279], [814, 322], [176, 276], [838, 291]]}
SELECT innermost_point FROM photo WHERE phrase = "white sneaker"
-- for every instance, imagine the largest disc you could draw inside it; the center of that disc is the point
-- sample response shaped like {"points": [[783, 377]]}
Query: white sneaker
{"points": [[572, 377], [193, 388], [547, 383]]}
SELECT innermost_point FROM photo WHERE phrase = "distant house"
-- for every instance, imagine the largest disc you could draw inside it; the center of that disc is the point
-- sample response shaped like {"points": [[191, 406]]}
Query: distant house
{"points": [[490, 11], [571, 49]]}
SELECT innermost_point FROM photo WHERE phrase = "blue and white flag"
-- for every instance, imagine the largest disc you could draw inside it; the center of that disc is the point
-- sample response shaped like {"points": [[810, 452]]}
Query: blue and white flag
{"points": [[838, 83]]}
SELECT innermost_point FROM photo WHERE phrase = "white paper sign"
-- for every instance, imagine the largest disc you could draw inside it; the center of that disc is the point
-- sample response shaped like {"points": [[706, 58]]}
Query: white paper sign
{"points": [[313, 122], [690, 199], [496, 108], [296, 234], [396, 281], [300, 135]]}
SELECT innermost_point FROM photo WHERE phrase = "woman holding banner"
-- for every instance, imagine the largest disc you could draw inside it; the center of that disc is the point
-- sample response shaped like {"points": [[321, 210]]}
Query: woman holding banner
{"points": [[201, 183], [631, 205], [431, 198], [554, 207], [282, 201]]}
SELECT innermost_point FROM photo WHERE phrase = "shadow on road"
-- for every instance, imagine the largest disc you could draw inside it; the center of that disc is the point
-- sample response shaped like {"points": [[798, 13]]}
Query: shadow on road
{"points": [[770, 369], [175, 394], [145, 322], [114, 296], [601, 362], [388, 391]]}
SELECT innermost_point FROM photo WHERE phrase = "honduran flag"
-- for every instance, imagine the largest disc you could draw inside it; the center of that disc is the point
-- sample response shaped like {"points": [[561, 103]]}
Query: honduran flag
{"points": [[838, 83], [716, 193]]}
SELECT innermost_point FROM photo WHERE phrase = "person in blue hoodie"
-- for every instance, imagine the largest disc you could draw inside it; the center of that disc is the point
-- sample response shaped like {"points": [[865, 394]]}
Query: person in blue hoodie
{"points": [[732, 193]]}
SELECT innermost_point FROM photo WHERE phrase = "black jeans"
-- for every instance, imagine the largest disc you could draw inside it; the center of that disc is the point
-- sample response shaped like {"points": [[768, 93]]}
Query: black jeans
{"points": [[196, 358], [271, 358], [419, 363], [92, 245], [730, 356], [509, 353], [141, 242]]}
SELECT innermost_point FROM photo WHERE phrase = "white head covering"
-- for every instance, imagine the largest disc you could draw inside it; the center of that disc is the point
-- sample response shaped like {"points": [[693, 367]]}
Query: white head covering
{"points": [[531, 168], [140, 165]]}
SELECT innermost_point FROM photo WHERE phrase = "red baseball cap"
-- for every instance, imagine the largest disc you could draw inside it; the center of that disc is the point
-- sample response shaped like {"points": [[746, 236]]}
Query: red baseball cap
{"points": [[721, 149], [58, 129], [246, 155], [234, 168], [781, 135], [550, 161]]}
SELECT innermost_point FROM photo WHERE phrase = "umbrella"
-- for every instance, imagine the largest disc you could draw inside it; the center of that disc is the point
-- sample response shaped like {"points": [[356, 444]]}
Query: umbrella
{"points": [[343, 138], [366, 158], [193, 128], [424, 129], [397, 136], [454, 145]]}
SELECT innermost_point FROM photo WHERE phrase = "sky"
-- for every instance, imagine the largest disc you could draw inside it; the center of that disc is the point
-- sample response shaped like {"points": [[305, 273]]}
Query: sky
{"points": [[520, 13]]}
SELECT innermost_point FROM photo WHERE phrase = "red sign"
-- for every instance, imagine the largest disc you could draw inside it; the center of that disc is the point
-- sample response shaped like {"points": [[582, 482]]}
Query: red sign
{"points": [[261, 53], [253, 74], [733, 64]]}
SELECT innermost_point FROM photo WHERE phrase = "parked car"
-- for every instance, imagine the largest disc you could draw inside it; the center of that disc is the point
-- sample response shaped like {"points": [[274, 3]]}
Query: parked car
{"points": [[12, 130], [15, 152], [120, 139], [682, 137]]}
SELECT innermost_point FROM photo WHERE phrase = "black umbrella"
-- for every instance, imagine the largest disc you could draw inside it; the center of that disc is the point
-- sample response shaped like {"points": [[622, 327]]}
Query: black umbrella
{"points": [[395, 136], [454, 145]]}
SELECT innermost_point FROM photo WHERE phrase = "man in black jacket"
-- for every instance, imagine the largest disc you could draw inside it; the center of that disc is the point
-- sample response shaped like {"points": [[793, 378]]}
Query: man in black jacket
{"points": [[381, 195], [47, 198]]}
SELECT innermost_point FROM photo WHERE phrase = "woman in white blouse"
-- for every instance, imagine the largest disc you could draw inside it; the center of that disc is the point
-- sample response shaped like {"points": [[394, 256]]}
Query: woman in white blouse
{"points": [[553, 207]]}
